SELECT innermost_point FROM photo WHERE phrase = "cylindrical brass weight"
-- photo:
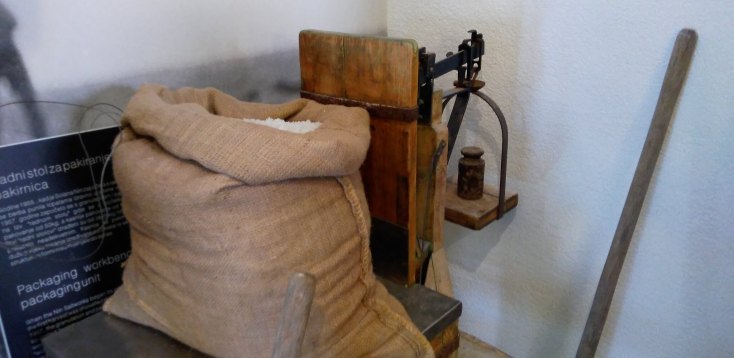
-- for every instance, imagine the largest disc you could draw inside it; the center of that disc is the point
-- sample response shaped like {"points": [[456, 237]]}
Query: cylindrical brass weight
{"points": [[471, 174]]}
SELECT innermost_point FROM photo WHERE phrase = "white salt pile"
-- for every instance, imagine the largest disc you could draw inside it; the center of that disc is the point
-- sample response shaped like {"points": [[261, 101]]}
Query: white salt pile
{"points": [[278, 123]]}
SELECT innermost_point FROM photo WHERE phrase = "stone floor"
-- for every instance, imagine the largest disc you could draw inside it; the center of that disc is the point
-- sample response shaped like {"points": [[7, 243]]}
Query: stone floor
{"points": [[472, 347]]}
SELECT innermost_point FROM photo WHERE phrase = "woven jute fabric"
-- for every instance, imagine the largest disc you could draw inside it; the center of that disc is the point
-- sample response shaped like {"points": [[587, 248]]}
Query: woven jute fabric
{"points": [[222, 212]]}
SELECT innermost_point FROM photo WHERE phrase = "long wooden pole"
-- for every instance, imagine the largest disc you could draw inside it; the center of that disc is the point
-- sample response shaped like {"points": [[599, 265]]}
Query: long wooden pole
{"points": [[297, 307], [675, 75]]}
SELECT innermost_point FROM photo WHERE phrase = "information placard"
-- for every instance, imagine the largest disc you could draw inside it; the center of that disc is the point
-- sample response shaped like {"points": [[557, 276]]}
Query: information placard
{"points": [[63, 238]]}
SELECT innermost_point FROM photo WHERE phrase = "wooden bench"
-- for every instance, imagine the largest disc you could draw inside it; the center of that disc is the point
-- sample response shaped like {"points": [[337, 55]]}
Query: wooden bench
{"points": [[103, 335]]}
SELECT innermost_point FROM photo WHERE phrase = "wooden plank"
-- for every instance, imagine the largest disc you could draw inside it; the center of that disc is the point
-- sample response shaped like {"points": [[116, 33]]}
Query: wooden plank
{"points": [[389, 171], [389, 176], [439, 182], [675, 76], [476, 214], [322, 62], [381, 70], [475, 347], [446, 344], [429, 138], [294, 318], [428, 188], [380, 74], [438, 277]]}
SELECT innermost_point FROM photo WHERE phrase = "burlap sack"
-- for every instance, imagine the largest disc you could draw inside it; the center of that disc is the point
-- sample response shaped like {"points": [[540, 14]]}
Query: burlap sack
{"points": [[222, 212]]}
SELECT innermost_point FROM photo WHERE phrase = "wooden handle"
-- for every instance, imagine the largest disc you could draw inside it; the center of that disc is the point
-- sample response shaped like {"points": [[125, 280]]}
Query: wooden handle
{"points": [[675, 76], [292, 327]]}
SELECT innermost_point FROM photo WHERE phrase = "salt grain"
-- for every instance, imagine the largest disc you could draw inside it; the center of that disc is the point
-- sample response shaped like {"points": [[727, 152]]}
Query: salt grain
{"points": [[278, 123]]}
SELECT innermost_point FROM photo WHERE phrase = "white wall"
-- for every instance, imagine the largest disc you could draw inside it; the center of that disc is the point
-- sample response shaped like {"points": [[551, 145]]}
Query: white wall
{"points": [[578, 81], [88, 51], [67, 42]]}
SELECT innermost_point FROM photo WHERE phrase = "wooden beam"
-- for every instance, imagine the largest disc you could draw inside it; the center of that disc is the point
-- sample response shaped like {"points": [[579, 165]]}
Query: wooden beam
{"points": [[381, 75], [680, 61]]}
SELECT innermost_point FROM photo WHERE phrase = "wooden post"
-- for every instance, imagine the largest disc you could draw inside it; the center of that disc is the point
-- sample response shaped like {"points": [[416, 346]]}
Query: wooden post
{"points": [[381, 75], [429, 138], [297, 307], [675, 75]]}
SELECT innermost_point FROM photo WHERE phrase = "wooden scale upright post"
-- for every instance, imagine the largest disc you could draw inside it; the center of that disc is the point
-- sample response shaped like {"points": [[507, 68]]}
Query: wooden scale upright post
{"points": [[404, 173], [405, 170], [380, 75]]}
